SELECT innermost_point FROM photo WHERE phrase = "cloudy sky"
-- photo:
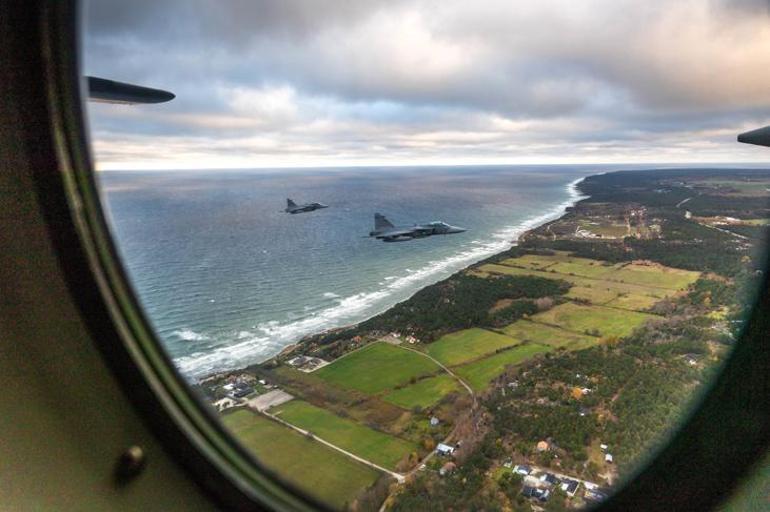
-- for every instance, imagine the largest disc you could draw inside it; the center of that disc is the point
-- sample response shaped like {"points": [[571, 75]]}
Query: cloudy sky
{"points": [[321, 82]]}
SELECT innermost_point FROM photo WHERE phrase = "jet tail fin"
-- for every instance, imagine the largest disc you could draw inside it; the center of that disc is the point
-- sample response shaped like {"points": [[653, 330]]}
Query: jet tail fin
{"points": [[380, 222], [290, 203]]}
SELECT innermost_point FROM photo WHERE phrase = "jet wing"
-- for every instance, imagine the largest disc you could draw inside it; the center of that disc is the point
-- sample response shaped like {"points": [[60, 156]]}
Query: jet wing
{"points": [[399, 233]]}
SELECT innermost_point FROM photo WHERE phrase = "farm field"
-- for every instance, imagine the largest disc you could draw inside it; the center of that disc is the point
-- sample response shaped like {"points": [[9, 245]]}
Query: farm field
{"points": [[546, 335], [656, 275], [634, 273], [594, 294], [615, 287], [466, 345], [376, 367], [423, 393], [297, 459], [633, 302], [599, 319], [479, 374], [378, 447]]}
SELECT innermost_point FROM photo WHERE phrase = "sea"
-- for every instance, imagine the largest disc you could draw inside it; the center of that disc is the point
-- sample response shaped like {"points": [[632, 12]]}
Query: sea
{"points": [[228, 279]]}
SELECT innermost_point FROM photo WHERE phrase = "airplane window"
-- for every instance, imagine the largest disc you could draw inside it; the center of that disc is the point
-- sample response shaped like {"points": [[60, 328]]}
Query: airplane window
{"points": [[273, 172]]}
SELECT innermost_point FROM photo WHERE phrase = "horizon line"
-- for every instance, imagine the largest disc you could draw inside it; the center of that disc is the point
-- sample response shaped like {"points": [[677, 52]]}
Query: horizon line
{"points": [[403, 165]]}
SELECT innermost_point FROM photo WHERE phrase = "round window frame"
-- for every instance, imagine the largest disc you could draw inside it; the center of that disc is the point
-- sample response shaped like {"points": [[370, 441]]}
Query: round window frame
{"points": [[723, 438]]}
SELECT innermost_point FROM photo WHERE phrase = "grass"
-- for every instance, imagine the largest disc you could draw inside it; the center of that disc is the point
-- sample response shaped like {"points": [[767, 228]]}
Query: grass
{"points": [[602, 320], [593, 294], [467, 345], [376, 368], [317, 469], [479, 374], [654, 275], [657, 276], [616, 287], [424, 393], [546, 335], [633, 302], [370, 444]]}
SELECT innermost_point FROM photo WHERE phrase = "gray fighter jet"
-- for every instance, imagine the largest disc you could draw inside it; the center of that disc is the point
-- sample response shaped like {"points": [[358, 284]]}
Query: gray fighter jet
{"points": [[292, 207], [384, 230]]}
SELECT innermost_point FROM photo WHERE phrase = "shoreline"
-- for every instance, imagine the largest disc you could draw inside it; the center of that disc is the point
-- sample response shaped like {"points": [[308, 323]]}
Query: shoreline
{"points": [[509, 238]]}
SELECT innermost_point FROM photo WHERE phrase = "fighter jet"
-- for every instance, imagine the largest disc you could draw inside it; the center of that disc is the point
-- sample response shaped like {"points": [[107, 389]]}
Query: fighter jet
{"points": [[292, 207], [385, 230]]}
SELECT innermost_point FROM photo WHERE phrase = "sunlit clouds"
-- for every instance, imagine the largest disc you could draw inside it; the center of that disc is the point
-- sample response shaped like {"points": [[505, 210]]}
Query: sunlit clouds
{"points": [[291, 83]]}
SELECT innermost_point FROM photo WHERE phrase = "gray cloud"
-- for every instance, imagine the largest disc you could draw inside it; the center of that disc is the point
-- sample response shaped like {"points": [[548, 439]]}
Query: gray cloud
{"points": [[423, 80]]}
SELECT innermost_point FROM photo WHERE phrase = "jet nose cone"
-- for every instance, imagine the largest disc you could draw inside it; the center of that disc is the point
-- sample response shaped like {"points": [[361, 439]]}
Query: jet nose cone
{"points": [[455, 229]]}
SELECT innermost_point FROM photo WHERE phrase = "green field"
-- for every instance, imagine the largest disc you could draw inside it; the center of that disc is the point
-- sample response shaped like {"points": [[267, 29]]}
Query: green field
{"points": [[467, 345], [479, 374], [376, 368], [645, 275], [583, 319], [654, 275], [593, 294], [633, 301], [424, 393], [546, 335], [317, 469], [533, 261], [372, 445], [616, 287]]}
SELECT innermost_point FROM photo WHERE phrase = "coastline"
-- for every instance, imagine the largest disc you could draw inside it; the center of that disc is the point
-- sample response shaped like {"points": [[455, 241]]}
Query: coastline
{"points": [[503, 241]]}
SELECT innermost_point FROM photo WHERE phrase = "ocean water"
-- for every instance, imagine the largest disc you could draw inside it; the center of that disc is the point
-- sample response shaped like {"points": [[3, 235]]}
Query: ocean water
{"points": [[228, 279]]}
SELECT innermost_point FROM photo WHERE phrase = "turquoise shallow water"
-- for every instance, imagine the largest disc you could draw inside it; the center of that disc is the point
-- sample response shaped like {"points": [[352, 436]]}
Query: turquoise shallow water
{"points": [[228, 279]]}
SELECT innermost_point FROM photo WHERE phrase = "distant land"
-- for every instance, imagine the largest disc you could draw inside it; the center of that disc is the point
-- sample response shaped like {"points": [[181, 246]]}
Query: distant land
{"points": [[540, 376]]}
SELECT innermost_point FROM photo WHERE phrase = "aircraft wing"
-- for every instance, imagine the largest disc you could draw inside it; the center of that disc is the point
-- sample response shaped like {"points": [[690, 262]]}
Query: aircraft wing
{"points": [[110, 91], [760, 136], [398, 233]]}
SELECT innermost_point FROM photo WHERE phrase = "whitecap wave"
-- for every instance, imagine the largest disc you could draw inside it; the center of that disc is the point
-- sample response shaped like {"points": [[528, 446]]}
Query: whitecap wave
{"points": [[189, 335], [274, 336], [330, 295]]}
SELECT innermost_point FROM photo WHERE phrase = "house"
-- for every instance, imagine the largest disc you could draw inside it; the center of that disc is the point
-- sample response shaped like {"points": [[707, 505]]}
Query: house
{"points": [[240, 390], [534, 492], [224, 403], [550, 479], [594, 496], [522, 470], [691, 359], [570, 487], [603, 447], [298, 361], [434, 421], [447, 468], [444, 449], [542, 446], [608, 458]]}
